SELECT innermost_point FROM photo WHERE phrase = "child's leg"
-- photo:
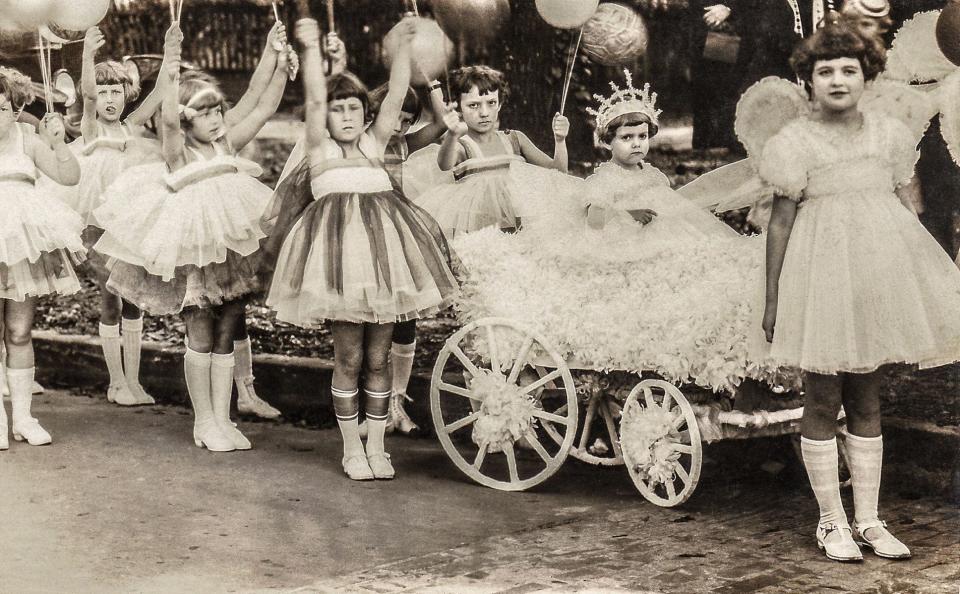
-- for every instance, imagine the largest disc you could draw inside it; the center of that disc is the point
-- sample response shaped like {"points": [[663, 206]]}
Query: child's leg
{"points": [[247, 400], [132, 329], [348, 358], [221, 373], [818, 445], [861, 401], [401, 360], [18, 329], [377, 340], [110, 342], [197, 369], [4, 438]]}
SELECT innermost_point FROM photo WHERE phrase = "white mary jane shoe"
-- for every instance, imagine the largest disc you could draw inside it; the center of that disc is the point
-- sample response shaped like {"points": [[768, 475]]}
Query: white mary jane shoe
{"points": [[880, 541], [837, 543]]}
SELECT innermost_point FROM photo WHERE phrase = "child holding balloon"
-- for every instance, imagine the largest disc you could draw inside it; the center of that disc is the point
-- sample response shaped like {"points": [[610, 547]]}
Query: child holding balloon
{"points": [[359, 255], [37, 233]]}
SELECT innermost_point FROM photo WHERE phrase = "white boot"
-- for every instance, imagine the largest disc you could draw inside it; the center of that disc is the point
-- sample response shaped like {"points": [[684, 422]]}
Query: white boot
{"points": [[206, 430], [221, 391], [4, 431], [25, 427], [132, 331], [247, 400], [399, 419], [118, 392]]}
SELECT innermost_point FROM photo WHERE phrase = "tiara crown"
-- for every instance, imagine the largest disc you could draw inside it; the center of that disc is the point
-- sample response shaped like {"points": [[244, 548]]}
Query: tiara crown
{"points": [[623, 101]]}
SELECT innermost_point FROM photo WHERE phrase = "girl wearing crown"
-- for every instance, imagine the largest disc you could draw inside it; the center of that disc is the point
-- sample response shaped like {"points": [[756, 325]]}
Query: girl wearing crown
{"points": [[853, 281], [37, 235]]}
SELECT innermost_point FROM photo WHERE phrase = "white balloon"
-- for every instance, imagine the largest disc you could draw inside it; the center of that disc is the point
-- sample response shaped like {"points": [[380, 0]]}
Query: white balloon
{"points": [[567, 14], [77, 15], [31, 14]]}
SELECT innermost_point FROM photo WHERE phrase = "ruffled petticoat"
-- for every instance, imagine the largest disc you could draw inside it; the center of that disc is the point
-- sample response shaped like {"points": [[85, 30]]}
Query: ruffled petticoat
{"points": [[863, 284], [370, 257], [38, 236]]}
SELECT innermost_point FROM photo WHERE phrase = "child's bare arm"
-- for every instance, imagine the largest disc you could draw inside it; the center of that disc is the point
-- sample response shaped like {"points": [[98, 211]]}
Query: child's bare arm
{"points": [[93, 41], [262, 77], [151, 103], [435, 129], [400, 73], [533, 155], [314, 82], [50, 154], [778, 236], [247, 129]]}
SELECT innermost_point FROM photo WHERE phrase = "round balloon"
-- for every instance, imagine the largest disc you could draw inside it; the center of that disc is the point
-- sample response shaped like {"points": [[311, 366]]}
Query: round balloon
{"points": [[431, 50], [79, 16], [614, 35], [567, 14], [474, 22], [948, 31], [31, 14]]}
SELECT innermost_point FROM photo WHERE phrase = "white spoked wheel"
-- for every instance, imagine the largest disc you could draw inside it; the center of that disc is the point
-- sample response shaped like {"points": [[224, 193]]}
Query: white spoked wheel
{"points": [[597, 442], [661, 443], [501, 424]]}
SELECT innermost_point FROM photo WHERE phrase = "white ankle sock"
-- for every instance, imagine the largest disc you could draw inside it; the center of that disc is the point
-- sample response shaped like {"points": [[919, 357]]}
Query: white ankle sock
{"points": [[821, 459], [243, 357], [110, 343], [346, 405], [378, 405], [21, 394], [131, 332], [865, 456], [196, 368], [401, 356]]}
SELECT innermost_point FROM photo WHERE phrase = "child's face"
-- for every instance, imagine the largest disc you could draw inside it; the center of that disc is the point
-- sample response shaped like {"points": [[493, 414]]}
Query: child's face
{"points": [[207, 126], [403, 123], [345, 119], [110, 102], [630, 145], [837, 84], [8, 116], [480, 112]]}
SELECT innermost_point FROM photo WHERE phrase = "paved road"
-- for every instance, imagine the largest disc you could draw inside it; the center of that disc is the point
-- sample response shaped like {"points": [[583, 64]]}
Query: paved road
{"points": [[123, 502]]}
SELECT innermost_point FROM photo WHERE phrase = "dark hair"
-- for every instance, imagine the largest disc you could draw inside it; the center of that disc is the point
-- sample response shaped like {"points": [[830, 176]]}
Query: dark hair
{"points": [[485, 78], [411, 102], [114, 73], [628, 119], [16, 87], [345, 86], [194, 86], [837, 39]]}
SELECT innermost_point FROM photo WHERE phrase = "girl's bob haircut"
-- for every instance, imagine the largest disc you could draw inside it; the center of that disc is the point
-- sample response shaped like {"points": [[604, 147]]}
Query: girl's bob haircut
{"points": [[837, 39], [627, 119]]}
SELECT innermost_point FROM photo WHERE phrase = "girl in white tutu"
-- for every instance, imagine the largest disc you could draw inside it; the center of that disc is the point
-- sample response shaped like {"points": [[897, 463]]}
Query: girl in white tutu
{"points": [[854, 282], [185, 243], [493, 187], [359, 254], [37, 235]]}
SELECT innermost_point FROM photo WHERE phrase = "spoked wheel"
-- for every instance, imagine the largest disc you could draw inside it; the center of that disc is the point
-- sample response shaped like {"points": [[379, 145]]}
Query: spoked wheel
{"points": [[597, 442], [661, 443], [500, 423]]}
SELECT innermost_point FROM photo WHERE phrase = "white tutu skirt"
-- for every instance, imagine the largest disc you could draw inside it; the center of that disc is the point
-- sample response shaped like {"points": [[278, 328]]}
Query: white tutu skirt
{"points": [[149, 225], [38, 234], [863, 284], [372, 257]]}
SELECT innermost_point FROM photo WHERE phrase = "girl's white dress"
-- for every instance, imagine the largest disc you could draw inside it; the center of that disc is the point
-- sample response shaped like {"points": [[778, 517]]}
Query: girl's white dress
{"points": [[672, 296], [863, 283], [184, 239], [37, 232]]}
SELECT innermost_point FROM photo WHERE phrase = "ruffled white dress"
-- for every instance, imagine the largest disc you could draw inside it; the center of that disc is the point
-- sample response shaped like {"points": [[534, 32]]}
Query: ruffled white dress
{"points": [[863, 283], [672, 296], [37, 232], [184, 239]]}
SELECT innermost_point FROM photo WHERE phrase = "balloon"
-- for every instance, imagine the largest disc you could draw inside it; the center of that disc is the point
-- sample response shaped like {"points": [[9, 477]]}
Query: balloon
{"points": [[948, 31], [431, 50], [30, 14], [614, 35], [79, 16], [567, 14], [474, 22]]}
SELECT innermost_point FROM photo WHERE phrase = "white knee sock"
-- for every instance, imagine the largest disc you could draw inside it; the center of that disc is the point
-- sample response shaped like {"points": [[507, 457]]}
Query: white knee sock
{"points": [[110, 343], [21, 394], [346, 404], [402, 362], [131, 331], [378, 404], [243, 356], [821, 459], [865, 456], [196, 368]]}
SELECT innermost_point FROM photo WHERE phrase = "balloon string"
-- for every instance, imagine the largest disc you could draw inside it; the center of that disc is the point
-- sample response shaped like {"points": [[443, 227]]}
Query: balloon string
{"points": [[180, 10], [276, 12], [569, 76], [45, 73], [173, 11], [413, 8]]}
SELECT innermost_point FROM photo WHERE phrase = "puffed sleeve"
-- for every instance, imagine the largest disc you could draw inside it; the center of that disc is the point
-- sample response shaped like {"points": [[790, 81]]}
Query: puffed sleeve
{"points": [[783, 166], [901, 149]]}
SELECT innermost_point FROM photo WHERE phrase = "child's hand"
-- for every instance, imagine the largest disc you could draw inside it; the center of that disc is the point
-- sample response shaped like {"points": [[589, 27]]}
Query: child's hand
{"points": [[335, 49], [52, 129], [561, 127], [173, 67], [407, 29], [642, 215], [308, 32], [93, 41], [173, 42], [769, 321], [277, 37], [454, 122]]}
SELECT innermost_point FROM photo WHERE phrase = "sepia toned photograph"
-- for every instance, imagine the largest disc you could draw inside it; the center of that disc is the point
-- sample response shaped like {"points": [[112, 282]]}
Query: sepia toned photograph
{"points": [[480, 296]]}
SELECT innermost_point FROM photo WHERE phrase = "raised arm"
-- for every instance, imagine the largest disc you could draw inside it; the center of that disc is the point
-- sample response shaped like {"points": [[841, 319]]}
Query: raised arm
{"points": [[171, 136], [262, 77], [451, 151], [247, 129], [314, 83], [400, 73], [778, 235], [151, 103], [93, 41], [534, 156], [50, 153], [435, 129]]}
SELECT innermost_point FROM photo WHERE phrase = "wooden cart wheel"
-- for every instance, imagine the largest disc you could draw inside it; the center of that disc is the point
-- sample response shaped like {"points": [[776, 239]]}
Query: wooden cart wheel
{"points": [[601, 415], [683, 443], [500, 351]]}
